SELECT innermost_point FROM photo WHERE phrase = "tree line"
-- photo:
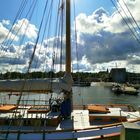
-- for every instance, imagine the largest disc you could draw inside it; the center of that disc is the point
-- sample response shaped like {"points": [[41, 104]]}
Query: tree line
{"points": [[82, 76]]}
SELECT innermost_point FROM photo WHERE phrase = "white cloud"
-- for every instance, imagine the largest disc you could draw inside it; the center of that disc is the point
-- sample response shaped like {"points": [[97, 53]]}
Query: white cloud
{"points": [[5, 22], [105, 38], [100, 19], [5, 34], [93, 23], [24, 27], [104, 42], [115, 64], [82, 65], [116, 24]]}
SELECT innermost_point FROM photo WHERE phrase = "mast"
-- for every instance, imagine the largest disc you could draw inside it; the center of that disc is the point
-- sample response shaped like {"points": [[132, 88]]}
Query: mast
{"points": [[66, 106], [68, 38]]}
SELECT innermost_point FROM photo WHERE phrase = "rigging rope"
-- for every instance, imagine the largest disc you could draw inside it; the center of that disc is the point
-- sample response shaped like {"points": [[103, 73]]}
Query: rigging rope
{"points": [[76, 38], [18, 101], [9, 34], [134, 29], [55, 47], [21, 9], [43, 36], [131, 15], [137, 39], [33, 54], [31, 10], [77, 57], [30, 62]]}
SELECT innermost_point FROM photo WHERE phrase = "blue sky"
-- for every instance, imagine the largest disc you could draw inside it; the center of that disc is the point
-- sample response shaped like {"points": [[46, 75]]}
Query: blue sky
{"points": [[81, 6], [89, 6], [104, 40]]}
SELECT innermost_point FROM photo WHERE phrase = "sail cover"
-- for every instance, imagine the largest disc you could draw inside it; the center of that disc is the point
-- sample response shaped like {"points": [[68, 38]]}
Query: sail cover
{"points": [[37, 85]]}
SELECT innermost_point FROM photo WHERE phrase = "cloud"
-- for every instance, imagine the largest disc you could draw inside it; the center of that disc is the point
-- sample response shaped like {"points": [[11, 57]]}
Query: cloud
{"points": [[12, 61], [104, 38], [104, 42], [108, 47], [10, 57], [82, 65], [10, 48], [116, 24], [134, 59], [42, 58], [54, 50], [5, 34], [5, 22], [93, 23], [24, 27]]}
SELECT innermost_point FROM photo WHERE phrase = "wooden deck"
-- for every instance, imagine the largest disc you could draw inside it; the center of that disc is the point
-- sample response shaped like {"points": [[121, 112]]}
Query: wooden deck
{"points": [[52, 126]]}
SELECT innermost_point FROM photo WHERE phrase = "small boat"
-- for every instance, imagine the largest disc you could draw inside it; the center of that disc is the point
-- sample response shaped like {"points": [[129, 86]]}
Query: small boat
{"points": [[129, 90], [116, 89], [124, 89]]}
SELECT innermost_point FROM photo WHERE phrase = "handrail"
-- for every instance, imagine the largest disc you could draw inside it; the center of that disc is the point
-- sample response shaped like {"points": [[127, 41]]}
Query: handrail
{"points": [[67, 130]]}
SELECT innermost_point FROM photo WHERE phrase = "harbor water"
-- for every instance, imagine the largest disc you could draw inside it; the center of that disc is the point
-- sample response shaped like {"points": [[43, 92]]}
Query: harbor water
{"points": [[95, 94], [100, 94]]}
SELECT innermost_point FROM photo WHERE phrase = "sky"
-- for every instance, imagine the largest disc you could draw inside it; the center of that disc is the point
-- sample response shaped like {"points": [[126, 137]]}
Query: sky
{"points": [[104, 40]]}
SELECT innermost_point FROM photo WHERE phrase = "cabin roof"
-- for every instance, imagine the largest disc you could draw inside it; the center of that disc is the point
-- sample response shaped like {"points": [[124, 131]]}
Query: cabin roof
{"points": [[5, 108], [97, 109]]}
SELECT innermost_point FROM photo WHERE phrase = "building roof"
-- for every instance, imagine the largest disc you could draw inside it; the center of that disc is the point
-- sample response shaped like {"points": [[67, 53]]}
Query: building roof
{"points": [[118, 70]]}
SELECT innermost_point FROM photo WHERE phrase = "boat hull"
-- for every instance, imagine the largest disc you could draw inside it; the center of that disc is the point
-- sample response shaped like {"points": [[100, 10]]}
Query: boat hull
{"points": [[118, 89], [69, 134], [64, 129]]}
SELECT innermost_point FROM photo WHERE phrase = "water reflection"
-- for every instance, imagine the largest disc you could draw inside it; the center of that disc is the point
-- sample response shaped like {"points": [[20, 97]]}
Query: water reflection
{"points": [[102, 95], [81, 95]]}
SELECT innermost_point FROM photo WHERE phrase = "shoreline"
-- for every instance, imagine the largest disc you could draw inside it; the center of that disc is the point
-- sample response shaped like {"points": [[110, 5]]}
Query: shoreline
{"points": [[109, 84]]}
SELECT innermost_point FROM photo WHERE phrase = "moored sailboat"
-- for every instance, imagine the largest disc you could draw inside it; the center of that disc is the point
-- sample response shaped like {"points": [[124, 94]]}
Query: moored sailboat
{"points": [[124, 89], [59, 119]]}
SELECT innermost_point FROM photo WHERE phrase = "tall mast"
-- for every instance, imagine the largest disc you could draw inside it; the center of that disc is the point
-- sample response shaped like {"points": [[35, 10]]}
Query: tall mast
{"points": [[68, 38]]}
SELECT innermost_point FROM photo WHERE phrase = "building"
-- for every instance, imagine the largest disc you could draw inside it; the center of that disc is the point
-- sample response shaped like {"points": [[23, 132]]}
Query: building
{"points": [[134, 78], [118, 75]]}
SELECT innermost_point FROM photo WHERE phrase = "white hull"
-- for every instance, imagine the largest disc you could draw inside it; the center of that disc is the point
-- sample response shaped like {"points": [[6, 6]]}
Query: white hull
{"points": [[62, 135], [79, 127]]}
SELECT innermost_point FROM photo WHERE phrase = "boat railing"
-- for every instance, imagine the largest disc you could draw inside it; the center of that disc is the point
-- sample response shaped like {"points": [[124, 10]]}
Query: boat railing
{"points": [[125, 107], [96, 131]]}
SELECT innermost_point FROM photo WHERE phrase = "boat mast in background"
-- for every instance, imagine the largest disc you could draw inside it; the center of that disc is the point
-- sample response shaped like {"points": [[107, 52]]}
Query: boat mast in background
{"points": [[68, 40]]}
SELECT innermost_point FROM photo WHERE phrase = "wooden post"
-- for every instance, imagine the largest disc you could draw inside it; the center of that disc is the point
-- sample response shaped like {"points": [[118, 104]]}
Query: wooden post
{"points": [[68, 38]]}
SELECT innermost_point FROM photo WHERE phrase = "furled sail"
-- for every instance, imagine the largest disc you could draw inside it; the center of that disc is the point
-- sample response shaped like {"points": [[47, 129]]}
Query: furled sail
{"points": [[37, 85]]}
